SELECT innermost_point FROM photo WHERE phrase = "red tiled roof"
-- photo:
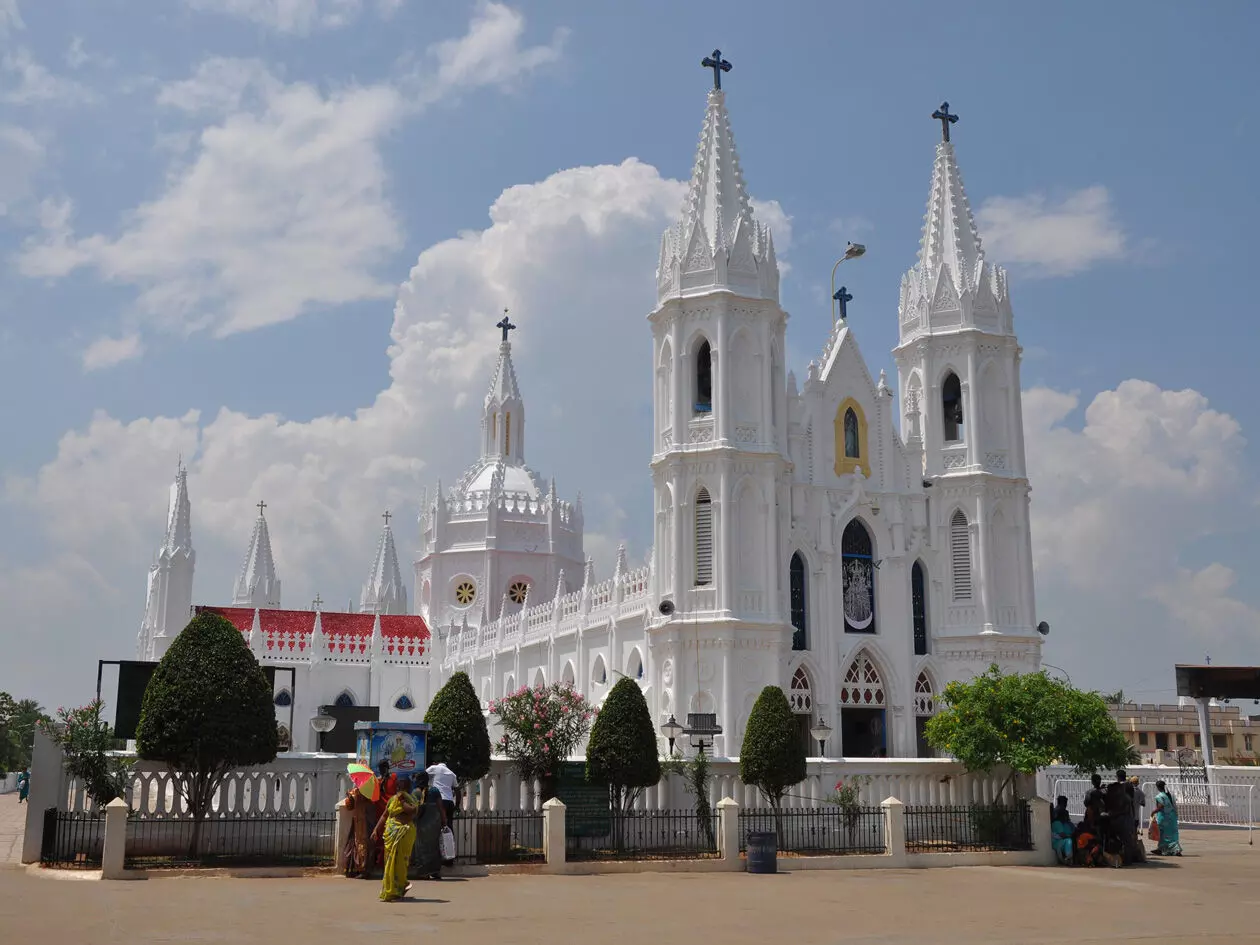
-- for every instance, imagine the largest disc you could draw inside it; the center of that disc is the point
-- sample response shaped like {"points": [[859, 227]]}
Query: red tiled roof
{"points": [[404, 625], [242, 618], [354, 625]]}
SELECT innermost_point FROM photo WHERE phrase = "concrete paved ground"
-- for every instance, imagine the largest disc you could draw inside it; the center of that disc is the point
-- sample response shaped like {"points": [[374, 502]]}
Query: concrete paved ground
{"points": [[12, 828], [1212, 895]]}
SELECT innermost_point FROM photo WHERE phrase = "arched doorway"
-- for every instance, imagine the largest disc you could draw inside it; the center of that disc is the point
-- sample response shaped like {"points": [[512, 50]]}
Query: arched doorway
{"points": [[863, 698]]}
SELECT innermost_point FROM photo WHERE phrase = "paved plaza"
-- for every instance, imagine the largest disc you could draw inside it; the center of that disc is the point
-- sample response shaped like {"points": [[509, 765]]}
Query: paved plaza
{"points": [[1211, 895]]}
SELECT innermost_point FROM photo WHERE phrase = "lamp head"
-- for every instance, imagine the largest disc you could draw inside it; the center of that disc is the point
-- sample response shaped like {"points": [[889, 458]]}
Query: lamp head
{"points": [[854, 250]]}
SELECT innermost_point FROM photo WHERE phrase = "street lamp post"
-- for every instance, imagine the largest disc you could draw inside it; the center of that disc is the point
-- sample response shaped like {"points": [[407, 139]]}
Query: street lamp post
{"points": [[323, 724], [821, 732], [671, 730], [852, 251]]}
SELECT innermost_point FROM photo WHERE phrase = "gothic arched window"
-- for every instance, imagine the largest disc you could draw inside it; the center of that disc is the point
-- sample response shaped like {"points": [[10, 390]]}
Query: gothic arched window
{"points": [[704, 538], [918, 608], [344, 701], [952, 408], [852, 442], [858, 565], [960, 554], [704, 378], [796, 583], [924, 709], [800, 692]]}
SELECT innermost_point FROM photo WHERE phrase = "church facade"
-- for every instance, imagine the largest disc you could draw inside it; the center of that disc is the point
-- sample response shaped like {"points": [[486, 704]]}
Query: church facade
{"points": [[857, 546]]}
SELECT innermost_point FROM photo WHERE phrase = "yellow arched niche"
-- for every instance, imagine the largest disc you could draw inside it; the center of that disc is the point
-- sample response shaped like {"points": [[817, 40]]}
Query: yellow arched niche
{"points": [[844, 462]]}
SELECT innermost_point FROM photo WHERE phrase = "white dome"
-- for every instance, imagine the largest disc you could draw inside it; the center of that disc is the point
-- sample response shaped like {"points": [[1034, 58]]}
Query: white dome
{"points": [[516, 479]]}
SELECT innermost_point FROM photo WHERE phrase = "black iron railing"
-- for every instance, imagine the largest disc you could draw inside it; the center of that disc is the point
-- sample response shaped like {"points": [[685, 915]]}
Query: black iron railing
{"points": [[817, 831], [650, 834], [498, 836], [72, 839], [155, 842], [970, 828]]}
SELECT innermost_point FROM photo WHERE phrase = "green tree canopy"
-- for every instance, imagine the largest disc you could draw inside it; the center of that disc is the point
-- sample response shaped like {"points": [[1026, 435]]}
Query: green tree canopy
{"points": [[207, 710], [1024, 722], [622, 750], [18, 720], [772, 756], [459, 738]]}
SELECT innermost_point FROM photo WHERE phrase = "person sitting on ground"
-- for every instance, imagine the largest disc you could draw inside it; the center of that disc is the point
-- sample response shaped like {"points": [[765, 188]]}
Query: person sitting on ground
{"points": [[1061, 831], [1086, 845]]}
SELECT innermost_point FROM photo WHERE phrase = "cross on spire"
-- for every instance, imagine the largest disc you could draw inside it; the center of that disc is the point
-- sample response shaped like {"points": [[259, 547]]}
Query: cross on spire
{"points": [[387, 515], [844, 298], [261, 506], [945, 118], [317, 602], [505, 325], [718, 65]]}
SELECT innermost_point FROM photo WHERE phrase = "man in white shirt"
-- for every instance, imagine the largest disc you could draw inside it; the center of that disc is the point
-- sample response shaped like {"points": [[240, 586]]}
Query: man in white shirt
{"points": [[444, 779]]}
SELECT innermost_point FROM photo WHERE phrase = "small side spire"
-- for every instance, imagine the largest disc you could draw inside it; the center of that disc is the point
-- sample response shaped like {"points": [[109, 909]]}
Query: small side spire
{"points": [[257, 584], [384, 592]]}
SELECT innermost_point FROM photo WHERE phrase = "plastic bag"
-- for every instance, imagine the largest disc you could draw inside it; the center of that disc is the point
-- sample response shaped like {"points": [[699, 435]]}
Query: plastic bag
{"points": [[448, 844], [1152, 832]]}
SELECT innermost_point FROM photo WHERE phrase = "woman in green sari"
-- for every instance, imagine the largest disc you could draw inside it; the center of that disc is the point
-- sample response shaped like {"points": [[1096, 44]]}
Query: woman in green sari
{"points": [[1165, 818], [398, 831]]}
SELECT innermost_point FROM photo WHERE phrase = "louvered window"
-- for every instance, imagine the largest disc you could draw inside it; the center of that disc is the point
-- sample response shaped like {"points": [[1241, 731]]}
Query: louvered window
{"points": [[960, 555], [704, 538]]}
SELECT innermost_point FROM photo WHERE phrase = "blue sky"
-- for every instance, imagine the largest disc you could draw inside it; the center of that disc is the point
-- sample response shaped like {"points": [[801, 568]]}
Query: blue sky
{"points": [[273, 234]]}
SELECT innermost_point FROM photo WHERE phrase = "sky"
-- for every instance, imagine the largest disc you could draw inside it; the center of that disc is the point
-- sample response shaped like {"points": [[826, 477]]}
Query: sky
{"points": [[273, 237]]}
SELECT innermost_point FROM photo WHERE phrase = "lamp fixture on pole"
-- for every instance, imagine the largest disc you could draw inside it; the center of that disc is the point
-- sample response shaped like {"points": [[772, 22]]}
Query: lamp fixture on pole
{"points": [[821, 731], [323, 724], [852, 251], [671, 730]]}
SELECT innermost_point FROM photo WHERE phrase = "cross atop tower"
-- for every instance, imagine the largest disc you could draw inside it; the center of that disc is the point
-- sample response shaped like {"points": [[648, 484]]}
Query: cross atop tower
{"points": [[718, 65], [387, 515], [317, 603], [945, 118], [261, 506], [843, 298], [505, 325]]}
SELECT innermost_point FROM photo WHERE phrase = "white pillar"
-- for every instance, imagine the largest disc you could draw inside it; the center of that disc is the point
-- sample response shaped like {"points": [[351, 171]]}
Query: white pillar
{"points": [[1203, 704], [728, 832], [894, 828], [1041, 831], [553, 834], [114, 856], [46, 791]]}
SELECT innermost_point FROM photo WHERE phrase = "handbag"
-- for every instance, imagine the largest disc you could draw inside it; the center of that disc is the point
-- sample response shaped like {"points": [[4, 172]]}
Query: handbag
{"points": [[448, 844], [1152, 832]]}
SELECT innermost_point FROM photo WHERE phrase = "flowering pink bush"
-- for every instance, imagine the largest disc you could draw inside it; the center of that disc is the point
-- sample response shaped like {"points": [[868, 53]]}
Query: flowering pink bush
{"points": [[541, 727]]}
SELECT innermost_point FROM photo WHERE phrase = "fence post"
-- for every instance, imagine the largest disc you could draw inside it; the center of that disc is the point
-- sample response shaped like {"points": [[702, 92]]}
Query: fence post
{"points": [[553, 833], [728, 831], [46, 781], [1041, 831], [114, 855], [894, 828], [342, 834]]}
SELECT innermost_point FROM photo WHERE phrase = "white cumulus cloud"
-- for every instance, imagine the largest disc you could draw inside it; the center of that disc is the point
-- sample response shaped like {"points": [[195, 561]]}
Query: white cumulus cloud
{"points": [[1053, 238], [108, 352], [286, 16]]}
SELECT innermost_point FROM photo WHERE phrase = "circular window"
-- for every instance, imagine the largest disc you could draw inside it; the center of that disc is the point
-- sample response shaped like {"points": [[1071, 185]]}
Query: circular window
{"points": [[465, 592], [518, 591]]}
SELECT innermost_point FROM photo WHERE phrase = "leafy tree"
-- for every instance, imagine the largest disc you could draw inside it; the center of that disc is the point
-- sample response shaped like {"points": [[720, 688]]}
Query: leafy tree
{"points": [[1024, 722], [206, 711], [84, 738], [696, 774], [772, 756], [459, 738], [18, 721], [541, 727], [622, 749]]}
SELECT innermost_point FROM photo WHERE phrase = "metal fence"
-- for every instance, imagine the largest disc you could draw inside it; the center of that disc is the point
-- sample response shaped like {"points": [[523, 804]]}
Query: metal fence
{"points": [[974, 828], [155, 841], [651, 835], [505, 836], [1201, 804], [73, 839], [819, 831]]}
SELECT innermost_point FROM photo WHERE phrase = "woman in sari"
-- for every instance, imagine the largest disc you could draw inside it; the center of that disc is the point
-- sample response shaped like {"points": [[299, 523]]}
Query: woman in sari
{"points": [[1061, 830], [24, 784], [356, 851], [398, 832], [1165, 821], [429, 823]]}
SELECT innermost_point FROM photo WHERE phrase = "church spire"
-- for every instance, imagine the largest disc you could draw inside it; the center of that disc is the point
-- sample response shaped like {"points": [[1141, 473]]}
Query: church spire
{"points": [[950, 238], [179, 514], [168, 598], [717, 244], [257, 584], [384, 592], [503, 420]]}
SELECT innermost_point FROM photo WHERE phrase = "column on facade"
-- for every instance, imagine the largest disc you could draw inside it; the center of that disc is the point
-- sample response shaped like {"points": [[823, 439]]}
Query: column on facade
{"points": [[1027, 603], [724, 543], [971, 428], [680, 380], [982, 536], [721, 429], [680, 507], [1016, 459], [766, 432], [727, 720]]}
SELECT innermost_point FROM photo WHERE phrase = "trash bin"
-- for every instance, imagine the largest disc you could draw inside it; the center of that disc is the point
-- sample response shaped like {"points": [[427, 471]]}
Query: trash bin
{"points": [[763, 853]]}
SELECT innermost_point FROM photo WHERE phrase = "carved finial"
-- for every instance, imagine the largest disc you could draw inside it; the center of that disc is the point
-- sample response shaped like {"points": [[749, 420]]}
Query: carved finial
{"points": [[883, 383]]}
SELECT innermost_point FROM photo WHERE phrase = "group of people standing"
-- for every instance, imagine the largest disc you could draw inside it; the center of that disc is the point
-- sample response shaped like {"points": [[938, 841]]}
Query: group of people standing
{"points": [[405, 824], [1110, 832]]}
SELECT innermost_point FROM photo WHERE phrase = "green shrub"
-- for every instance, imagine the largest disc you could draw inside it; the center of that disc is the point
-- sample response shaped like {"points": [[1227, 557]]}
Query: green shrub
{"points": [[772, 756], [459, 739], [622, 749]]}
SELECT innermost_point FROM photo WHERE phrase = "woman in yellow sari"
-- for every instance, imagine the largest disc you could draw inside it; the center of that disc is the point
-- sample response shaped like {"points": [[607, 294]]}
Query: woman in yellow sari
{"points": [[398, 830]]}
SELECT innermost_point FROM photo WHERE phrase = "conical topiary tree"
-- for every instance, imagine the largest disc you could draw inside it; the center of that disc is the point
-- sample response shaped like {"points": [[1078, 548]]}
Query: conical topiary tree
{"points": [[772, 756], [622, 751], [459, 738], [207, 710]]}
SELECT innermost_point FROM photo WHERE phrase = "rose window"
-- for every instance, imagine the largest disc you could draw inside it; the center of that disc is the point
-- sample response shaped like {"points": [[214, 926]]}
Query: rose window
{"points": [[465, 591], [518, 591]]}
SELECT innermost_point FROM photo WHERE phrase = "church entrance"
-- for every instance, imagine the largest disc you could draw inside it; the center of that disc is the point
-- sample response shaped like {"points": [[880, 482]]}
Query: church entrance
{"points": [[862, 733]]}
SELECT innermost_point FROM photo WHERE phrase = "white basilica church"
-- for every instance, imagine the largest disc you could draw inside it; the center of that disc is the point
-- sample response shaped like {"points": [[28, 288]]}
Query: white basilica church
{"points": [[856, 548]]}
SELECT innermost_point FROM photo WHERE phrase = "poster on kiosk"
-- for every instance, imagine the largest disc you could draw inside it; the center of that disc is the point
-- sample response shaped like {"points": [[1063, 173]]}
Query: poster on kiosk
{"points": [[405, 745]]}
